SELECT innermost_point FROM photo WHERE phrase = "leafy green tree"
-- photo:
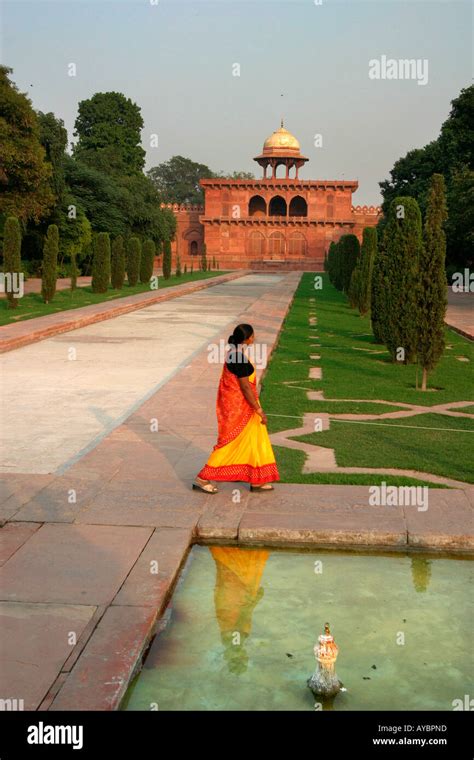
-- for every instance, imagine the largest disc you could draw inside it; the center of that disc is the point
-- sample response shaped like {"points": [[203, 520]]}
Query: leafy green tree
{"points": [[167, 259], [50, 263], [431, 296], [134, 249], [100, 196], [53, 138], [403, 246], [108, 128], [24, 172], [177, 180], [101, 263], [118, 263], [367, 257], [11, 257], [147, 261], [451, 155]]}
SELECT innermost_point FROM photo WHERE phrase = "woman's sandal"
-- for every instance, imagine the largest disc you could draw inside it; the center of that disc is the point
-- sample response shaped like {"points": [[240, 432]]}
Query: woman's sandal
{"points": [[264, 487], [206, 487]]}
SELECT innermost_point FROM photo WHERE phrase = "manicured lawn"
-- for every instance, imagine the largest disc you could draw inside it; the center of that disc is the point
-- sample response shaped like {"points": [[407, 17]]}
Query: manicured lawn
{"points": [[355, 371], [31, 305]]}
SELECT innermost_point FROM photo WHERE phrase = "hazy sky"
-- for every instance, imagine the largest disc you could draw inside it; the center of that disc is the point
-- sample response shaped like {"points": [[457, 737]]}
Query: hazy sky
{"points": [[176, 59]]}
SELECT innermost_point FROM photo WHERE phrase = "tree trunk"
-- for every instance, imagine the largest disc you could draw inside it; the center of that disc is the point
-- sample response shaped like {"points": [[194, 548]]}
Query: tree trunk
{"points": [[424, 379]]}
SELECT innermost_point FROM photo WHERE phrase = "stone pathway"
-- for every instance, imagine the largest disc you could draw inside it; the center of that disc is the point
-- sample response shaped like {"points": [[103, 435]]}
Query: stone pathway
{"points": [[91, 552], [460, 312]]}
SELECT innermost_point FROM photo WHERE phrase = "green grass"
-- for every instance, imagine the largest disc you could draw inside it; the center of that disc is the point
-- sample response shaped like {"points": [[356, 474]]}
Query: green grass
{"points": [[469, 409], [32, 306], [406, 443], [355, 372], [290, 464]]}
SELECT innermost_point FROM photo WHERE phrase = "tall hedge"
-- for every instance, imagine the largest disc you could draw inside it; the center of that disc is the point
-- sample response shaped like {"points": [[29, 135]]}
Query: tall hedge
{"points": [[101, 263], [134, 250], [204, 265], [367, 257], [147, 261], [167, 259], [11, 257], [432, 293], [50, 263], [379, 305], [118, 263], [349, 248], [403, 246]]}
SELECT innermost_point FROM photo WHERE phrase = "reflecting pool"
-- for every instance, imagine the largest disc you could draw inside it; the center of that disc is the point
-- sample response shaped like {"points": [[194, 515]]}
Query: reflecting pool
{"points": [[241, 626]]}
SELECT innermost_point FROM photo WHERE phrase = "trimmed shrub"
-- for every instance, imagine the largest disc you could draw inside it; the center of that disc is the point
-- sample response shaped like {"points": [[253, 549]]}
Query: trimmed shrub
{"points": [[167, 259], [134, 249], [118, 263], [11, 258], [50, 263], [101, 263], [147, 261]]}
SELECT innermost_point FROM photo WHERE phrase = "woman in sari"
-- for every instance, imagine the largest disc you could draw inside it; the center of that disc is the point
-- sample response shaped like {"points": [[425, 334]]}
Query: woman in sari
{"points": [[243, 451]]}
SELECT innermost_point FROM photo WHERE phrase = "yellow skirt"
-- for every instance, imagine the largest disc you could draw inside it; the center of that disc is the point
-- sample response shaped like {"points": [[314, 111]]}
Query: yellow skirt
{"points": [[249, 457]]}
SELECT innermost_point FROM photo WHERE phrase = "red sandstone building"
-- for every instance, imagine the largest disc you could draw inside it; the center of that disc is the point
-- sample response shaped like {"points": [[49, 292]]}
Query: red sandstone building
{"points": [[272, 222]]}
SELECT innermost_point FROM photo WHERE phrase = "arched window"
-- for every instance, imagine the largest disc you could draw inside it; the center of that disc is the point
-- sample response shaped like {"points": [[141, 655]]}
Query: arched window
{"points": [[298, 206], [193, 248], [257, 206], [297, 244], [256, 244], [277, 206], [276, 245]]}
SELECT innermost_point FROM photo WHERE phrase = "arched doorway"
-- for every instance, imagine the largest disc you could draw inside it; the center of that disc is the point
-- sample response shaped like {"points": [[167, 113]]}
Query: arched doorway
{"points": [[257, 206], [297, 245], [256, 245], [298, 206], [193, 248], [276, 245], [277, 206]]}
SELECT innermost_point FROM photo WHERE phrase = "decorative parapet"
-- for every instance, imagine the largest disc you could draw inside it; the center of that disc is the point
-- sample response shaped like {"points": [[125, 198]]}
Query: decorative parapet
{"points": [[183, 207], [372, 210]]}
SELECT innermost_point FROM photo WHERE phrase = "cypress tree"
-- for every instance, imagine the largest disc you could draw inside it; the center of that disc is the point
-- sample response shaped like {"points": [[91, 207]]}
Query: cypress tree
{"points": [[101, 264], [432, 291], [330, 261], [403, 246], [167, 259], [378, 296], [185, 268], [133, 260], [11, 257], [350, 251], [50, 263], [192, 267], [367, 257], [204, 259], [118, 263], [178, 266], [354, 288], [147, 261]]}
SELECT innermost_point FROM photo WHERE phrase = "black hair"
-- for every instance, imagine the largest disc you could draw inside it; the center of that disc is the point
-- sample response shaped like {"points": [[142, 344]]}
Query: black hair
{"points": [[241, 333]]}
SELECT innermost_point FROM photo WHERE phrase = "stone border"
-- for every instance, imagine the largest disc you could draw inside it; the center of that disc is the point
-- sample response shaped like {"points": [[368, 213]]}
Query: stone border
{"points": [[16, 335]]}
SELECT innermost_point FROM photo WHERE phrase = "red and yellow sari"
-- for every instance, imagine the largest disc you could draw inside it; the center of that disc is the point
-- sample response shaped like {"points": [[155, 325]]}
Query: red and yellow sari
{"points": [[243, 450]]}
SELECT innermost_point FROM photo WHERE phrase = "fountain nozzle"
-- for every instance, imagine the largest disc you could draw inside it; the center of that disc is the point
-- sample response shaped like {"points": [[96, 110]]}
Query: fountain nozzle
{"points": [[324, 681]]}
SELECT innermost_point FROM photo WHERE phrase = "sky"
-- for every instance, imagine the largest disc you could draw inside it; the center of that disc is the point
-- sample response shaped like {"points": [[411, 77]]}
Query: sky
{"points": [[213, 79]]}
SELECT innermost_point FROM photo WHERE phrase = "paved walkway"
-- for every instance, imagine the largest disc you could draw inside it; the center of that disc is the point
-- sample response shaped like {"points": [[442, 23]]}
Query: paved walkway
{"points": [[460, 313], [79, 545]]}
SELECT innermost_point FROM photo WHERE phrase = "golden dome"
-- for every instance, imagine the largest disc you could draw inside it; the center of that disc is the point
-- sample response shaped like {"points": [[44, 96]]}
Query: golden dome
{"points": [[281, 139]]}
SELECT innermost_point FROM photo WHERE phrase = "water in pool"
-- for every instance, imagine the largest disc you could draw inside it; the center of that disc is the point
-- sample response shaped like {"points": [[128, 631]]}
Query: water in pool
{"points": [[241, 626]]}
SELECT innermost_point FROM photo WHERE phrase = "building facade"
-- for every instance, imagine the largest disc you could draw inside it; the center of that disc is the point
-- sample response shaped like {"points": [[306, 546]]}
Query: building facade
{"points": [[273, 222]]}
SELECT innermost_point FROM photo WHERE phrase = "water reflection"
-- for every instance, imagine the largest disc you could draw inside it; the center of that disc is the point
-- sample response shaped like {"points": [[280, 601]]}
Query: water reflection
{"points": [[236, 594], [420, 573]]}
